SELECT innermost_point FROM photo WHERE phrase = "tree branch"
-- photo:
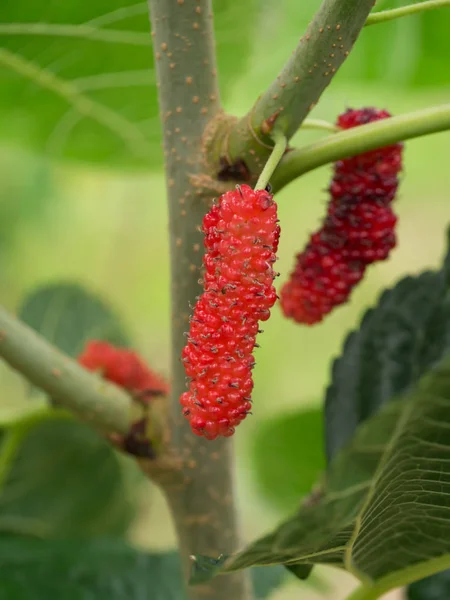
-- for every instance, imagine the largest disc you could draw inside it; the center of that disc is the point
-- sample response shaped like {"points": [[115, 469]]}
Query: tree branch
{"points": [[360, 139], [319, 54], [95, 401], [203, 507], [405, 11]]}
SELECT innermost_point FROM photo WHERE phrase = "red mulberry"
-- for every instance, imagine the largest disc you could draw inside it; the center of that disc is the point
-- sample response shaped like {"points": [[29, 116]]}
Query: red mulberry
{"points": [[359, 229], [124, 368], [241, 238]]}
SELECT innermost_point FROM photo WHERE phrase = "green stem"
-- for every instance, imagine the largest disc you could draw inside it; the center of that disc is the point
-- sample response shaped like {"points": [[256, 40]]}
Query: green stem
{"points": [[400, 578], [405, 11], [363, 592], [360, 139], [203, 506], [95, 401], [321, 51], [319, 124], [277, 154]]}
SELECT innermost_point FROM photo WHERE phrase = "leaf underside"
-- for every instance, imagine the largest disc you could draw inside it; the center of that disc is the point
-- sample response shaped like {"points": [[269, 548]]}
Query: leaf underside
{"points": [[386, 502], [387, 499]]}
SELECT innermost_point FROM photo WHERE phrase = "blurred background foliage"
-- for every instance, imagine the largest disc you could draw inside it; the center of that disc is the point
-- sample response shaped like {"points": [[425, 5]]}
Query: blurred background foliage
{"points": [[103, 223]]}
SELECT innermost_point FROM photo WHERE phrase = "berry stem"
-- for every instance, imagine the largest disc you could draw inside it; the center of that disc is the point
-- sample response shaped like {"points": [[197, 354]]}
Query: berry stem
{"points": [[360, 139], [319, 124], [202, 504], [272, 162], [105, 406], [405, 11]]}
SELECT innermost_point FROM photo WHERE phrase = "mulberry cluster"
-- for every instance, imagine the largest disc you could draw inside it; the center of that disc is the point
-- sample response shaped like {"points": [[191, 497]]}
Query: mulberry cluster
{"points": [[241, 239], [359, 228], [124, 368]]}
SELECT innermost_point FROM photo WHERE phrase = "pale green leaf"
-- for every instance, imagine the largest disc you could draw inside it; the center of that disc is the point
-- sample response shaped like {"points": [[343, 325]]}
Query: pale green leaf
{"points": [[78, 80]]}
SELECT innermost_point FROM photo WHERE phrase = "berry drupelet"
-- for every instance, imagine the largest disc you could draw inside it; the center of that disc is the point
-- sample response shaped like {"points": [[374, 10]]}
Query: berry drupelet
{"points": [[359, 228], [124, 368], [241, 239]]}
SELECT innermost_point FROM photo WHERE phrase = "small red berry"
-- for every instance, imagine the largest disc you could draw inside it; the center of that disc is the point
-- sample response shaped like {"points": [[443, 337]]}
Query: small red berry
{"points": [[359, 228], [241, 238], [124, 368]]}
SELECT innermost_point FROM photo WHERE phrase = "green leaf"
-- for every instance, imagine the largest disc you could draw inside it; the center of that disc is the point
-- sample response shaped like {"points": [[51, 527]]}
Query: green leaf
{"points": [[436, 587], [68, 315], [26, 194], [406, 53], [396, 343], [102, 569], [288, 456], [78, 79], [384, 515], [390, 475], [266, 580], [410, 54], [58, 478]]}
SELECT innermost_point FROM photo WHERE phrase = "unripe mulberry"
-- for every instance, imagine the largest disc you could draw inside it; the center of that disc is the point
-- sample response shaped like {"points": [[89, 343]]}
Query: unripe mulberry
{"points": [[241, 238], [359, 228], [124, 368]]}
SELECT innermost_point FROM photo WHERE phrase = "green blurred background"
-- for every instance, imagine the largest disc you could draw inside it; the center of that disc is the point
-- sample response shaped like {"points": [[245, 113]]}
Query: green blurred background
{"points": [[107, 228]]}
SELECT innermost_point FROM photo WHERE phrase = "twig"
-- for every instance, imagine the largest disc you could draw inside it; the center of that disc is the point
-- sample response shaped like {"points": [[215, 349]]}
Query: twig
{"points": [[405, 11], [360, 139], [92, 399]]}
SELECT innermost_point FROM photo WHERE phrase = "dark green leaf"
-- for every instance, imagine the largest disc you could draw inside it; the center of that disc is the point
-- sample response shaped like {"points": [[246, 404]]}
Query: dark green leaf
{"points": [[59, 478], [100, 569], [68, 315], [78, 80], [266, 580], [396, 343], [385, 508], [436, 587], [288, 456]]}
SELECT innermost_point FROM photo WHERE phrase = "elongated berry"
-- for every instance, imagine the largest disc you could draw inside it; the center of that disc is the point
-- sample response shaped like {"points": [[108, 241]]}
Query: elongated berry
{"points": [[124, 368], [359, 228], [241, 238]]}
